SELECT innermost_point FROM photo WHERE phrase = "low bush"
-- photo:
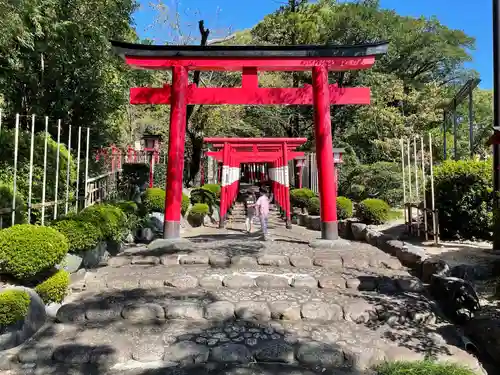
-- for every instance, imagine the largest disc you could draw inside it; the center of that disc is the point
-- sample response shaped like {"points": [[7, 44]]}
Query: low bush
{"points": [[159, 175], [373, 211], [82, 236], [202, 195], [6, 195], [26, 250], [128, 207], [300, 197], [313, 206], [199, 209], [464, 199], [421, 368], [110, 220], [344, 208], [55, 288], [154, 200], [214, 188], [14, 306], [185, 204]]}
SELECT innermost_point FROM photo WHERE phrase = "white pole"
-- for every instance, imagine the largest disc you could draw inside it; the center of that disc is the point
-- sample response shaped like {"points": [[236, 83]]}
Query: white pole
{"points": [[409, 171], [415, 161], [14, 188], [30, 180], [78, 166], [404, 179], [68, 170], [423, 186], [434, 221], [87, 166], [45, 167], [57, 167]]}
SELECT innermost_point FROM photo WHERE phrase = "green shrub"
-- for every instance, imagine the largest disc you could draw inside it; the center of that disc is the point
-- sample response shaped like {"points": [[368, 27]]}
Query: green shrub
{"points": [[214, 188], [128, 207], [55, 288], [134, 176], [160, 176], [373, 211], [199, 209], [6, 195], [203, 195], [184, 204], [154, 200], [344, 208], [313, 206], [26, 250], [81, 235], [421, 368], [464, 199], [14, 306], [110, 220], [300, 197]]}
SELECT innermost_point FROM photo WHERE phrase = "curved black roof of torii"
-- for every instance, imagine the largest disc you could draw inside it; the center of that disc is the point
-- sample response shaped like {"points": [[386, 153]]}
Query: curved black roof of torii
{"points": [[297, 51]]}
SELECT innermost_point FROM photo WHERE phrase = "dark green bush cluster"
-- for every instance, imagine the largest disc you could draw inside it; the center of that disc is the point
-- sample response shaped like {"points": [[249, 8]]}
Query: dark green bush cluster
{"points": [[464, 199], [199, 209], [205, 196], [214, 188], [154, 200], [26, 250], [55, 288], [81, 235], [421, 368], [159, 175], [14, 306], [132, 214], [109, 219], [373, 211], [6, 195], [133, 177], [313, 206], [300, 197], [344, 208], [184, 204]]}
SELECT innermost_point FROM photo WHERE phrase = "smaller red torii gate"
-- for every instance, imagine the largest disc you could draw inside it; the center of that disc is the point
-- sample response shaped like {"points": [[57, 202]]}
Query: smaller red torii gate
{"points": [[231, 152]]}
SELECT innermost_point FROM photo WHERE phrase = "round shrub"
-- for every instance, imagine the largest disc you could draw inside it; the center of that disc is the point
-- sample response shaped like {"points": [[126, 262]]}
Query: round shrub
{"points": [[214, 188], [300, 197], [202, 195], [55, 288], [344, 208], [81, 235], [373, 211], [199, 209], [464, 199], [154, 200], [26, 250], [6, 195], [14, 306], [110, 220], [313, 206], [184, 204], [421, 368]]}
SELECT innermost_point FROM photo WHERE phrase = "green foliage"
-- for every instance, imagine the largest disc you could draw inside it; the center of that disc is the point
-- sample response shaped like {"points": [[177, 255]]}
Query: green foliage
{"points": [[82, 236], [214, 188], [313, 206], [203, 195], [344, 208], [464, 199], [128, 207], [6, 193], [184, 204], [110, 220], [134, 176], [26, 250], [380, 180], [421, 368], [373, 211], [55, 288], [14, 306], [154, 200], [199, 209], [159, 176], [300, 197]]}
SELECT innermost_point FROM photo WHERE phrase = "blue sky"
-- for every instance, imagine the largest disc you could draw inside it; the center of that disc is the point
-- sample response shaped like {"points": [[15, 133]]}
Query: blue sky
{"points": [[220, 15]]}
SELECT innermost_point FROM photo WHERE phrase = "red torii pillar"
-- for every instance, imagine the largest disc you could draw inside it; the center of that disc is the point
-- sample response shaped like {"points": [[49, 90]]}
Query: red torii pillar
{"points": [[319, 59]]}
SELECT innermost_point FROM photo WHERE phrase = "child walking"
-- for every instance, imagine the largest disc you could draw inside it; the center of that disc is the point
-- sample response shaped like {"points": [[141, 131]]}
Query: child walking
{"points": [[262, 207], [249, 211]]}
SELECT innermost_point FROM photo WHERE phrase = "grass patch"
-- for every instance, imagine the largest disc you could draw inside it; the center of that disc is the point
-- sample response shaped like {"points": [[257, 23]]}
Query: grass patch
{"points": [[422, 368], [395, 214]]}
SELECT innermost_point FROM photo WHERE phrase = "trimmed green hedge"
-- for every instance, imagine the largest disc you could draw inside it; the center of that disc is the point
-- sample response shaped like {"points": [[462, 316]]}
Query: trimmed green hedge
{"points": [[373, 211], [82, 236], [344, 208], [110, 220], [300, 197], [214, 188], [464, 199], [154, 200], [421, 368], [313, 206], [26, 250], [55, 288], [199, 209], [14, 306]]}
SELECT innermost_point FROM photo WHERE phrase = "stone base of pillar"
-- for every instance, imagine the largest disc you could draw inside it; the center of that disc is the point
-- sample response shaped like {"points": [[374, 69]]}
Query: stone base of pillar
{"points": [[222, 223], [172, 230], [338, 244], [288, 224], [329, 230]]}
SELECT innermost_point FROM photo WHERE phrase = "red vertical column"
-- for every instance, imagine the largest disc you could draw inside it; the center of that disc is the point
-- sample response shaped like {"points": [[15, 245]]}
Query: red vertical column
{"points": [[176, 140], [324, 154], [224, 186], [288, 214]]}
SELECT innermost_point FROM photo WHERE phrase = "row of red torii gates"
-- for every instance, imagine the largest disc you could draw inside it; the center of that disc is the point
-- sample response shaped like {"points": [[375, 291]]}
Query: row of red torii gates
{"points": [[320, 60]]}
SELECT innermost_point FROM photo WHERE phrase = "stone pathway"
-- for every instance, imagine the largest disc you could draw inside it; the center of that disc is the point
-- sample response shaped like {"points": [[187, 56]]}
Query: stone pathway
{"points": [[226, 301]]}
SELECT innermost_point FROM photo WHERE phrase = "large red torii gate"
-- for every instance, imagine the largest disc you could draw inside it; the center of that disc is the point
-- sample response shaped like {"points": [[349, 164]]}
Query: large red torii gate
{"points": [[250, 60], [232, 152]]}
